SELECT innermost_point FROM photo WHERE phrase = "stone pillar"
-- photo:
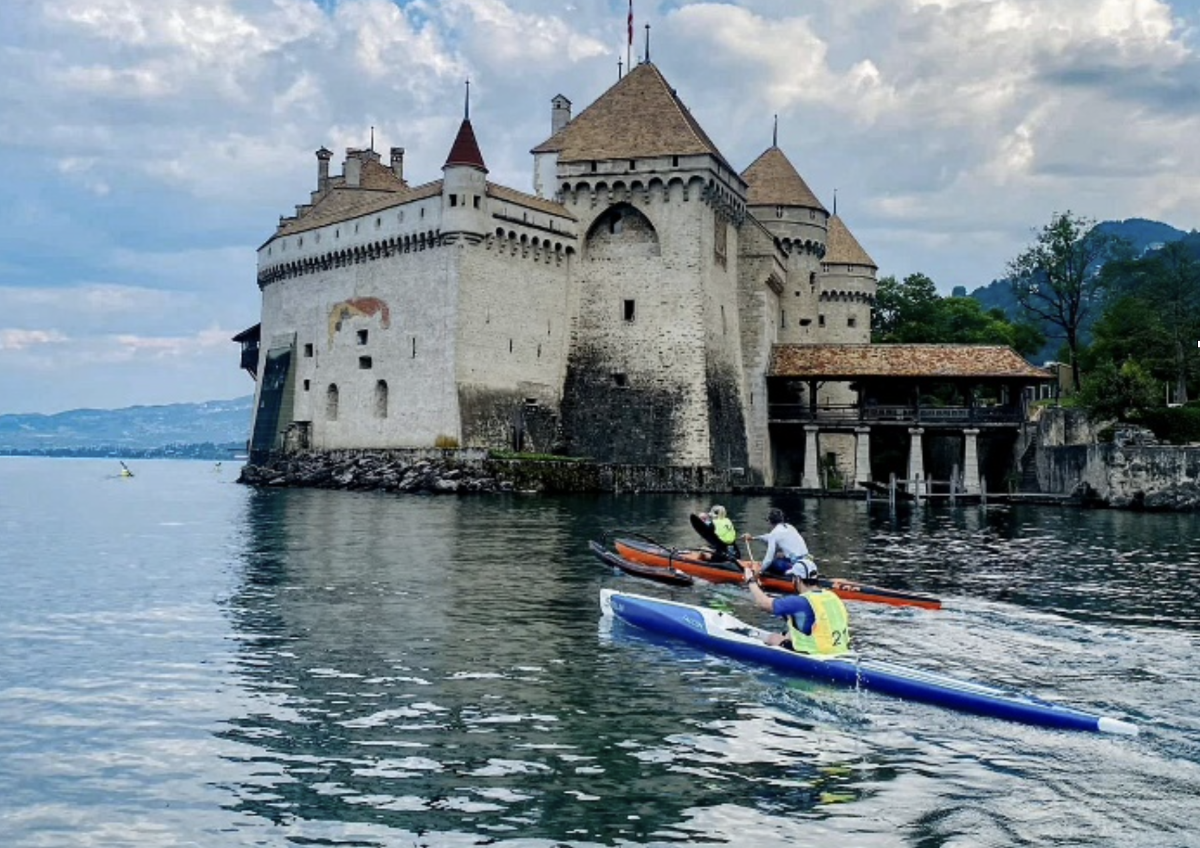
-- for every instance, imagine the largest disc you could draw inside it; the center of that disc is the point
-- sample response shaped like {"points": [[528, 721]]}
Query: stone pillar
{"points": [[916, 462], [862, 456], [811, 479], [970, 461]]}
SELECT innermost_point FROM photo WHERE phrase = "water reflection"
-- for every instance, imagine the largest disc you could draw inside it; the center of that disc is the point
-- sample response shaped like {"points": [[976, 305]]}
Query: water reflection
{"points": [[435, 666]]}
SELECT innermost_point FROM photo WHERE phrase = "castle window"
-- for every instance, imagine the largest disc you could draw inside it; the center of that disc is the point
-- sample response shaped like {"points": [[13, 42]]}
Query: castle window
{"points": [[632, 164], [364, 363], [620, 381], [454, 200], [381, 399], [356, 228], [362, 337], [674, 161], [337, 233], [812, 279], [629, 310], [851, 322], [422, 211], [331, 402], [510, 345], [300, 242], [722, 320], [820, 320], [616, 222], [308, 350], [782, 318], [475, 200], [812, 213], [306, 385], [539, 351], [778, 211], [414, 347], [593, 166], [378, 223]]}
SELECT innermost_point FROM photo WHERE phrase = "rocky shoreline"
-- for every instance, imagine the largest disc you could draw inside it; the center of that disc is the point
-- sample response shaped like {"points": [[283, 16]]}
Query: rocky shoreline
{"points": [[378, 472]]}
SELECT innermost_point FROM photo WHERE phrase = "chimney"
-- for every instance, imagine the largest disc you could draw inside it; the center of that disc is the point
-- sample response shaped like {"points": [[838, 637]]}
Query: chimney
{"points": [[398, 163], [323, 157], [560, 113], [352, 170]]}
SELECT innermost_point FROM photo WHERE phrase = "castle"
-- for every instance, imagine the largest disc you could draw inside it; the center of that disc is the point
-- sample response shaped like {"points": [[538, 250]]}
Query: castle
{"points": [[627, 310]]}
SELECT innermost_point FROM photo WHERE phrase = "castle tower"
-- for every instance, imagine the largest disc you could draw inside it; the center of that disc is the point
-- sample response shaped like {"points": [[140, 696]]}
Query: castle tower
{"points": [[464, 187], [654, 372], [781, 201], [847, 287]]}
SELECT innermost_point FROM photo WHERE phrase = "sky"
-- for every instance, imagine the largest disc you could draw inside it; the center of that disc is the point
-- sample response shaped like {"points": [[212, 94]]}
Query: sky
{"points": [[148, 147]]}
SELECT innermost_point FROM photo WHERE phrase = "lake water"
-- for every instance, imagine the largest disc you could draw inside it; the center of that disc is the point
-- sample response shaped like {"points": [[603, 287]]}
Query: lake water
{"points": [[188, 662]]}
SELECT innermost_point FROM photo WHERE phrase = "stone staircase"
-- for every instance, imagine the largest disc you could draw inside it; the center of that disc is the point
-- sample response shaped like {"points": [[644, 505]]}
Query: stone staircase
{"points": [[1029, 482]]}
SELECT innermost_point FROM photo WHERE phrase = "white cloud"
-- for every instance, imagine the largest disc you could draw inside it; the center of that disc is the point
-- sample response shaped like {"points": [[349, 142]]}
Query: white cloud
{"points": [[11, 339]]}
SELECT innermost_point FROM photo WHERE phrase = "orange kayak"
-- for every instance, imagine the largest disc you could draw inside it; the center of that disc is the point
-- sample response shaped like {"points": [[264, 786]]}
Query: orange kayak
{"points": [[699, 563]]}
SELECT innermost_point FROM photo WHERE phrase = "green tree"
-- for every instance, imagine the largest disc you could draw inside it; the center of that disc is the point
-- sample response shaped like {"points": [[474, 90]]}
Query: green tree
{"points": [[1153, 314], [1055, 279], [1121, 393], [912, 312]]}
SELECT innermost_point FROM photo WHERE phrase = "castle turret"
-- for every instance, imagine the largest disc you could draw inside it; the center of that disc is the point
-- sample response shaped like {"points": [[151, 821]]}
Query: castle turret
{"points": [[464, 185], [560, 113], [847, 288], [783, 203]]}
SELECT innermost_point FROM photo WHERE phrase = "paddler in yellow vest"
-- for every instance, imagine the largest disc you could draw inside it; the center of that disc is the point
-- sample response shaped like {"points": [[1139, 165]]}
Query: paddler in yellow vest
{"points": [[722, 527], [817, 622]]}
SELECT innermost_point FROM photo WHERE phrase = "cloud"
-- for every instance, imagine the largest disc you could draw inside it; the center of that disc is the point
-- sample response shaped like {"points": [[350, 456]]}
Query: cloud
{"points": [[11, 339], [151, 145]]}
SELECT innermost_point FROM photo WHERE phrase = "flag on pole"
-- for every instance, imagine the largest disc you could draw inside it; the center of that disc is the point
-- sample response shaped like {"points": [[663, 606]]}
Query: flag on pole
{"points": [[630, 22]]}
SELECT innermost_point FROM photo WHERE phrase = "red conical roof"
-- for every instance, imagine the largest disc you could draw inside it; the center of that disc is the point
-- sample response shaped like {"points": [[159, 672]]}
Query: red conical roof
{"points": [[465, 150]]}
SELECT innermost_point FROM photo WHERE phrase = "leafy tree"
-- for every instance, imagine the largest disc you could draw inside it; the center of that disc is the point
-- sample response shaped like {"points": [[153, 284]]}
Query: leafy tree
{"points": [[905, 312], [1055, 278], [1120, 393], [1153, 314], [912, 312]]}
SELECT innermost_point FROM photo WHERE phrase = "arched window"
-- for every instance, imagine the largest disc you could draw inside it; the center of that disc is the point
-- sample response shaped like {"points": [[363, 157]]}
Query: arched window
{"points": [[381, 399], [331, 402]]}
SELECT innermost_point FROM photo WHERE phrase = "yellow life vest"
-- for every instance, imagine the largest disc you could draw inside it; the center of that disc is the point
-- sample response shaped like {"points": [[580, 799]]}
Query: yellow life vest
{"points": [[831, 630], [723, 527]]}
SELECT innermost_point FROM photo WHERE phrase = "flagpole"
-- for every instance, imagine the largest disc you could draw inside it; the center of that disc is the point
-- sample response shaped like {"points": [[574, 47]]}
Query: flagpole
{"points": [[629, 37]]}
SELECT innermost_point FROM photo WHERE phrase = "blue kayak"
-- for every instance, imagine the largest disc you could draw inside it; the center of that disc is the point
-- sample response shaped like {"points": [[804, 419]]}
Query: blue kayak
{"points": [[722, 633]]}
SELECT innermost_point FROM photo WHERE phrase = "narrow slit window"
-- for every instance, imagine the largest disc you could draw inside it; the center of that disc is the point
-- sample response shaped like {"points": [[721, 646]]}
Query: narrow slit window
{"points": [[308, 350], [364, 363], [620, 380], [362, 337], [820, 320], [630, 310]]}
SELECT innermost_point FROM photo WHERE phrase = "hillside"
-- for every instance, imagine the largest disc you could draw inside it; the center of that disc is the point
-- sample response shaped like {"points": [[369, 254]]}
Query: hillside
{"points": [[1143, 235], [203, 430]]}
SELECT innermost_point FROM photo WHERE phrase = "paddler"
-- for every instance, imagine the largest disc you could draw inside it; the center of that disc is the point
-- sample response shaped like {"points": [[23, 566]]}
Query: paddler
{"points": [[722, 528], [785, 546], [817, 621]]}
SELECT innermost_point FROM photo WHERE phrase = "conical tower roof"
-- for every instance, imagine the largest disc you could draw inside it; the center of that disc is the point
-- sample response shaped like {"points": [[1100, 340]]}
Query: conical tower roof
{"points": [[640, 117], [774, 181], [465, 150], [842, 248]]}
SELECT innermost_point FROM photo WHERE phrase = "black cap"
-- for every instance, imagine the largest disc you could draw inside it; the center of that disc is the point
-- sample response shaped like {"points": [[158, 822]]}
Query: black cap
{"points": [[775, 516]]}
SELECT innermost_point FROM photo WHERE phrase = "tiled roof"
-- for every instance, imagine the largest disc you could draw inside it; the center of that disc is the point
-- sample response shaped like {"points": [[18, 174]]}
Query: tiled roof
{"points": [[849, 361], [841, 247], [639, 117], [465, 150], [342, 204], [774, 181], [532, 201]]}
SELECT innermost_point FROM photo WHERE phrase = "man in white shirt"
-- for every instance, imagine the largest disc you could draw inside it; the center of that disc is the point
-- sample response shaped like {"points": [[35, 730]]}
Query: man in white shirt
{"points": [[785, 546]]}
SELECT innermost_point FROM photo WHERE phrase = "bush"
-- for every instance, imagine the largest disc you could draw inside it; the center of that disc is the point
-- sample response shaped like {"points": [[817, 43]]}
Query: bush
{"points": [[1178, 426]]}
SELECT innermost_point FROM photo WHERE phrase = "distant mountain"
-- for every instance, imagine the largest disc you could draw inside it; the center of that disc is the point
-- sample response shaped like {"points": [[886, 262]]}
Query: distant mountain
{"points": [[133, 431], [1143, 236]]}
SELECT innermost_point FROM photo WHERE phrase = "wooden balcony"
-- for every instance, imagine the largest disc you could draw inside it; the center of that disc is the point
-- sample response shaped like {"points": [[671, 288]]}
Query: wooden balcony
{"points": [[913, 416]]}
